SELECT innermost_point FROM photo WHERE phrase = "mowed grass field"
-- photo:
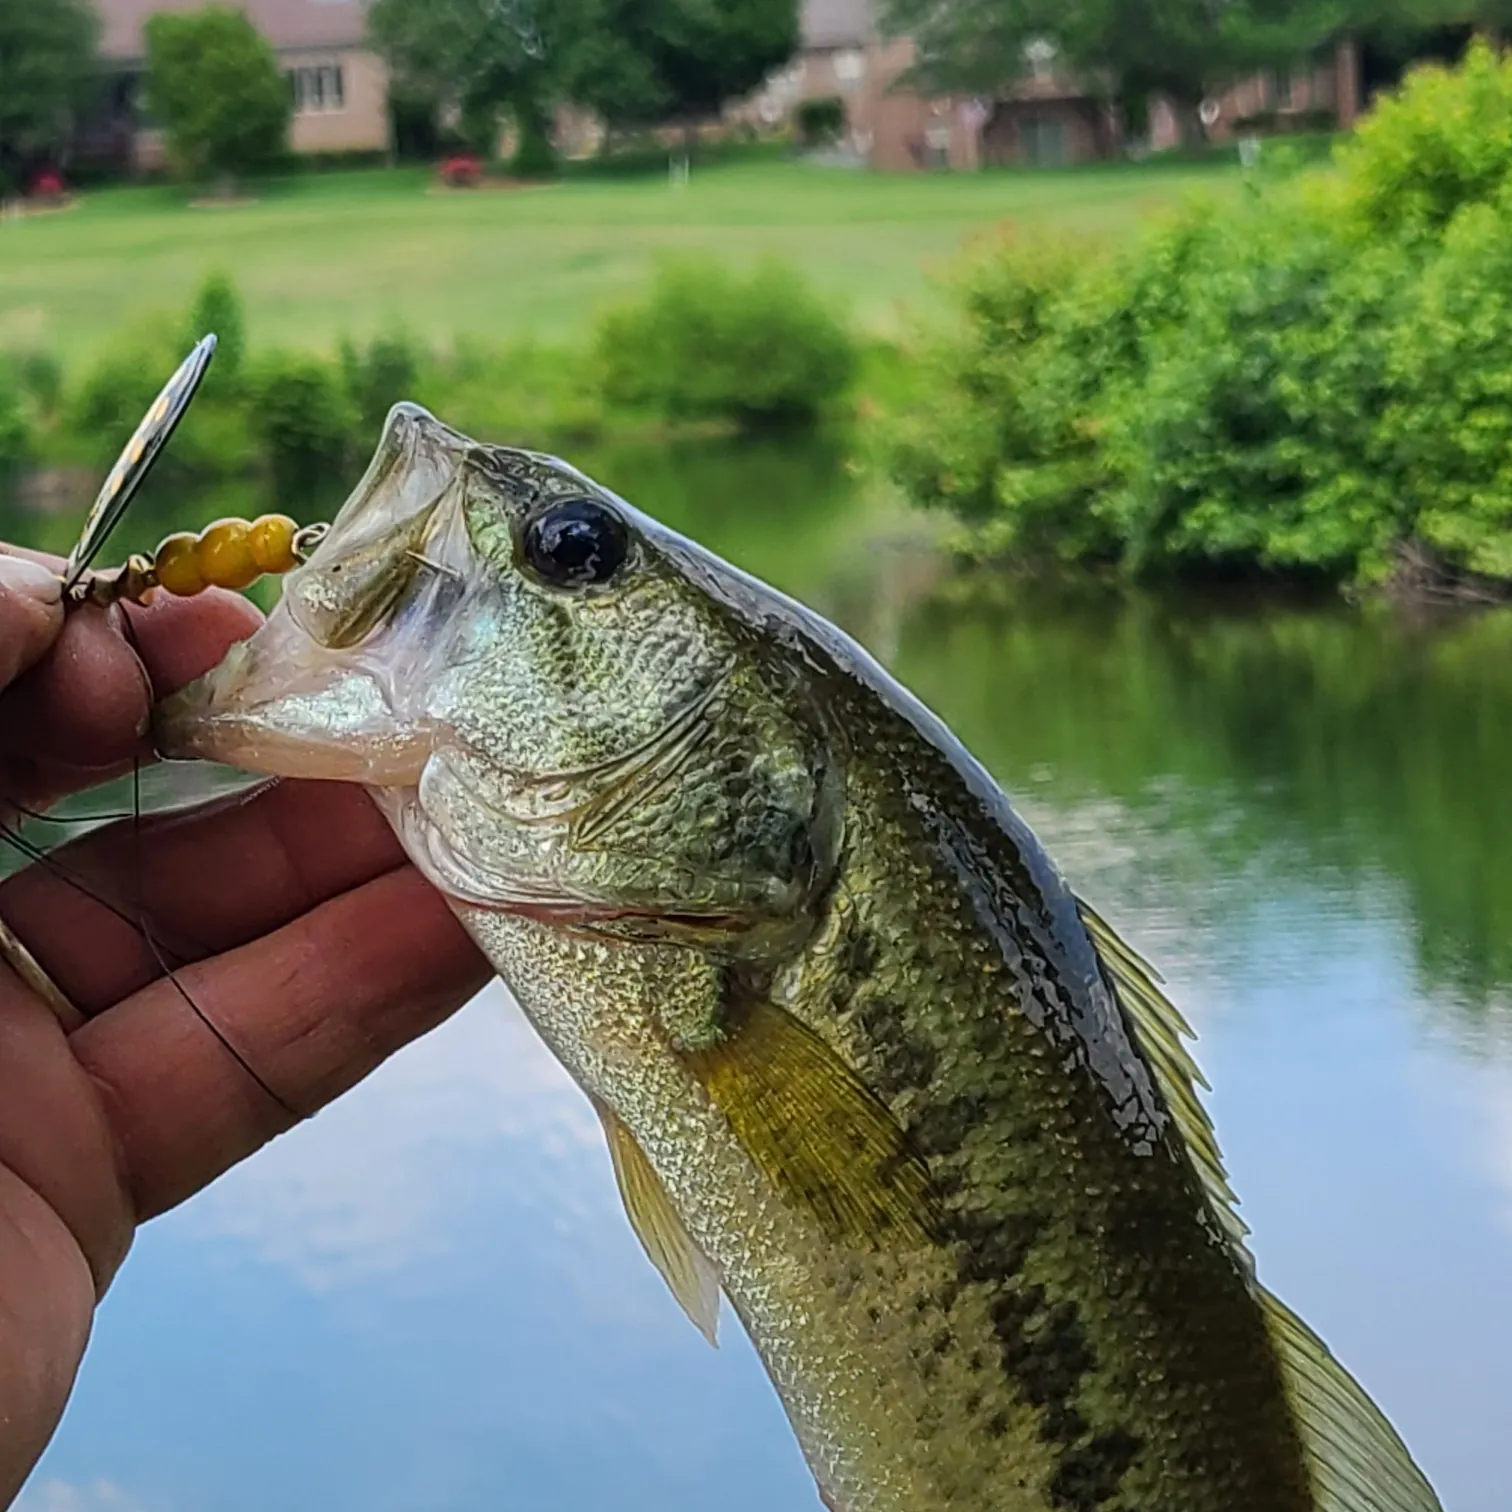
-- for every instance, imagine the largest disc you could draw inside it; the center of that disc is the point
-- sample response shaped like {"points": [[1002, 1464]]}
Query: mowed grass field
{"points": [[321, 256]]}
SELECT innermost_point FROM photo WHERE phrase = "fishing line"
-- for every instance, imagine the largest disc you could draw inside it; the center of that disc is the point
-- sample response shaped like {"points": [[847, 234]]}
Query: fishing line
{"points": [[141, 924], [209, 1023]]}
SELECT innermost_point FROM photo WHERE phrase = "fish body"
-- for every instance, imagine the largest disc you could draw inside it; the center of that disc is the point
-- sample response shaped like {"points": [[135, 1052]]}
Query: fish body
{"points": [[866, 1065]]}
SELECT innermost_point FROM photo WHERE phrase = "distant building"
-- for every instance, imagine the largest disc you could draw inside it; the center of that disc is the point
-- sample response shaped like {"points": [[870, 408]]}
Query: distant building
{"points": [[843, 55], [339, 86], [1046, 116], [1319, 94]]}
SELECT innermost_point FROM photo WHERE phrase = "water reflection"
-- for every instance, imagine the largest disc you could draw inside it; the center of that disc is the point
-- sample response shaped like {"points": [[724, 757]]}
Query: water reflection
{"points": [[427, 1298]]}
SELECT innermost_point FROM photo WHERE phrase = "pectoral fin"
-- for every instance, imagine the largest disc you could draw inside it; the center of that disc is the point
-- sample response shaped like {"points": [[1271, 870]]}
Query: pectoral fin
{"points": [[816, 1132], [688, 1272]]}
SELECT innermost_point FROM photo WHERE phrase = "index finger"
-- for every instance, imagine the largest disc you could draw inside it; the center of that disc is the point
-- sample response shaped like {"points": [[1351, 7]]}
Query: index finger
{"points": [[31, 614], [80, 714]]}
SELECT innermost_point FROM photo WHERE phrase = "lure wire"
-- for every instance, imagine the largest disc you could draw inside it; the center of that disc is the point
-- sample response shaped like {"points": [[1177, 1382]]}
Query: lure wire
{"points": [[230, 553]]}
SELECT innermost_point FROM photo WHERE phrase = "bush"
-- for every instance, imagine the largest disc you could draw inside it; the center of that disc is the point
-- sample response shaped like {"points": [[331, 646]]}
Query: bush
{"points": [[124, 380], [121, 384], [15, 436], [820, 121], [218, 308], [1212, 396], [303, 420], [40, 376], [708, 343], [1443, 141], [378, 377], [1255, 437], [1451, 409]]}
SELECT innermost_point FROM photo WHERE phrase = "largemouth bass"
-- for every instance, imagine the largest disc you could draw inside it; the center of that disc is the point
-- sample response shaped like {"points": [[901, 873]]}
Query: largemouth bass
{"points": [[867, 1067]]}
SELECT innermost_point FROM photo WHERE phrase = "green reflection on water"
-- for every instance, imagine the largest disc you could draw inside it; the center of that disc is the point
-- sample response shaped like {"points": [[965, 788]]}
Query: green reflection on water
{"points": [[1368, 742]]}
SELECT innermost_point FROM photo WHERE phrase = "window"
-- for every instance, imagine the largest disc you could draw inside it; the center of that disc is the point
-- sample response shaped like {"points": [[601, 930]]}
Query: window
{"points": [[318, 88], [1285, 90]]}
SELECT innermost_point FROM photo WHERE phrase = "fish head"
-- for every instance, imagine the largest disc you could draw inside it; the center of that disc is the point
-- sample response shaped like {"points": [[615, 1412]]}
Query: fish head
{"points": [[564, 708]]}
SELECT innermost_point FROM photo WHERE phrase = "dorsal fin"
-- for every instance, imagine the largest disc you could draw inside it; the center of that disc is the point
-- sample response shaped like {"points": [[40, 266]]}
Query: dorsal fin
{"points": [[1163, 1034], [1356, 1461]]}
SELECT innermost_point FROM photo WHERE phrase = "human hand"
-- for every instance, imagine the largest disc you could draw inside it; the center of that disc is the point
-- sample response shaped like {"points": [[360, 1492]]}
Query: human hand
{"points": [[310, 946]]}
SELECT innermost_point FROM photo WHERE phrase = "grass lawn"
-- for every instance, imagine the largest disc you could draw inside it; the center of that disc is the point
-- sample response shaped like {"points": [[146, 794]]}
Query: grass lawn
{"points": [[323, 255]]}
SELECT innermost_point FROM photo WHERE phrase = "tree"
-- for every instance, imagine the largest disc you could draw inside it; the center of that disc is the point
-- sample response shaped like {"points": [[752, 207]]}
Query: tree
{"points": [[483, 57], [215, 85], [642, 61], [1127, 49], [46, 69]]}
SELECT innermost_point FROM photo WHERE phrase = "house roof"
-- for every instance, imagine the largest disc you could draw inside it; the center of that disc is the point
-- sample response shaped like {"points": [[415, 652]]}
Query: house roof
{"points": [[837, 23], [285, 23]]}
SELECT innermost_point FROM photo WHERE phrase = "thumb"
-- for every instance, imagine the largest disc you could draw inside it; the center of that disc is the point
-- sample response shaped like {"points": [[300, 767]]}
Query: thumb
{"points": [[31, 613]]}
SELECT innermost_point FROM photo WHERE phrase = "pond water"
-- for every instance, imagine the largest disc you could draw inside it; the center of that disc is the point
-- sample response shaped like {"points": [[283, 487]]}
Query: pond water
{"points": [[429, 1298]]}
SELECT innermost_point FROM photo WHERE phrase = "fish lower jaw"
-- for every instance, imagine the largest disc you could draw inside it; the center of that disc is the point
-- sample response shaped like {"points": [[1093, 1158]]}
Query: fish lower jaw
{"points": [[353, 739]]}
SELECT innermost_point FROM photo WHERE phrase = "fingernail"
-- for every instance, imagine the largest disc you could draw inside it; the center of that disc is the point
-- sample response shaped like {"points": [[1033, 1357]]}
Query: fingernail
{"points": [[30, 580]]}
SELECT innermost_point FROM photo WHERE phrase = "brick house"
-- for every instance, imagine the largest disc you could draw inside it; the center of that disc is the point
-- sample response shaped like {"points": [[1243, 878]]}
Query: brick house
{"points": [[339, 86], [843, 55]]}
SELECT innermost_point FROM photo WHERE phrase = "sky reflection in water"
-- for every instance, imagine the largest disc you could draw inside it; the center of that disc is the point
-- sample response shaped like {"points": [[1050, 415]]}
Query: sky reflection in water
{"points": [[429, 1298]]}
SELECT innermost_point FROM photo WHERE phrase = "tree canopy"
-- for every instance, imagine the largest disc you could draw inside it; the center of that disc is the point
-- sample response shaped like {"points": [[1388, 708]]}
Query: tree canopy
{"points": [[215, 85], [481, 56], [46, 68], [631, 61], [640, 61]]}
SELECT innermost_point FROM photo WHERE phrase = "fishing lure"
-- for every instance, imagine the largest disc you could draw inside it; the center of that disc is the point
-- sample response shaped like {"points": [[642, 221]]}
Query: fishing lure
{"points": [[230, 553]]}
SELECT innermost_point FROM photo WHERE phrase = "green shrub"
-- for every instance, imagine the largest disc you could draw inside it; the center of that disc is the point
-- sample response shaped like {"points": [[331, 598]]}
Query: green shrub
{"points": [[15, 434], [819, 121], [379, 376], [303, 420], [1444, 140], [1215, 394], [1256, 436], [1451, 413], [217, 308], [40, 376], [523, 394], [707, 342], [124, 380]]}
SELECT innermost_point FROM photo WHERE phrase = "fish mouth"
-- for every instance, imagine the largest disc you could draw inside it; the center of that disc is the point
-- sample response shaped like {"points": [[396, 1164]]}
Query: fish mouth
{"points": [[282, 703], [324, 721]]}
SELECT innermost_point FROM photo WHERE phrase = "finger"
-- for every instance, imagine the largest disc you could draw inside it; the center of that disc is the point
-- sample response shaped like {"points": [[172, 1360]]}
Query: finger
{"points": [[81, 712], [200, 883], [312, 1009], [42, 1338], [31, 614], [54, 1135]]}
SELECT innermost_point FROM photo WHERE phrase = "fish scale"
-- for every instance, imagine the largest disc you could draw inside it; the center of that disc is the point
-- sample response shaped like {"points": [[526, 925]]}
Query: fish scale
{"points": [[865, 1063]]}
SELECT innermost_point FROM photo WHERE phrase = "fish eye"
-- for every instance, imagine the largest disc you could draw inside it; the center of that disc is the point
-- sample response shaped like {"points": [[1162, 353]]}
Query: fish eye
{"points": [[577, 543]]}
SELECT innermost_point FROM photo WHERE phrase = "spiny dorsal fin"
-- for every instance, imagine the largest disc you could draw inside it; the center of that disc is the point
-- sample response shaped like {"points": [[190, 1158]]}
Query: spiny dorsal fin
{"points": [[688, 1272], [816, 1132], [1162, 1034], [1356, 1460], [1358, 1463]]}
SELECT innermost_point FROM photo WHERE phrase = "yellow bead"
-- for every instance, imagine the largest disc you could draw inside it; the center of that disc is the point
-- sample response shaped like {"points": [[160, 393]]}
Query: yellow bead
{"points": [[225, 554], [271, 539], [177, 566]]}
